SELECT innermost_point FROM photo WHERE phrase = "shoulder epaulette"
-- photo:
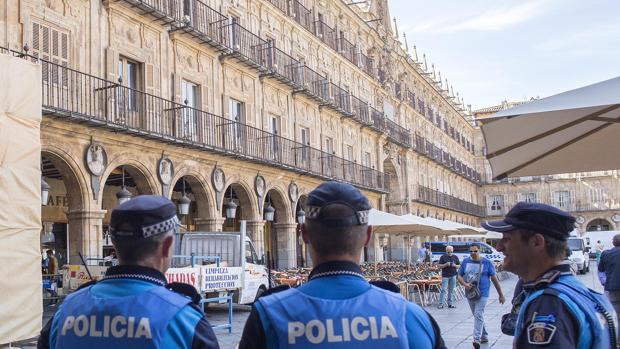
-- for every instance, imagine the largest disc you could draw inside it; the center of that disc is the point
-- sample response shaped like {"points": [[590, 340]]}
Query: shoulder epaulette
{"points": [[186, 290], [274, 290]]}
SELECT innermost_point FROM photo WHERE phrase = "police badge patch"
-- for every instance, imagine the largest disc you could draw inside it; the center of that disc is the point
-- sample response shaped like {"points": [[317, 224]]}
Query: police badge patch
{"points": [[540, 333]]}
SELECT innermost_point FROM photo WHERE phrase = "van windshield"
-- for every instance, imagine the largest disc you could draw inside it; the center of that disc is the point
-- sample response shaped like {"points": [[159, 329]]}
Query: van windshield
{"points": [[575, 244]]}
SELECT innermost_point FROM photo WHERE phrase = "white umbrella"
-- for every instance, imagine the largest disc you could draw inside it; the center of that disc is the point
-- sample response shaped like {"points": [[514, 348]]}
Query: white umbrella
{"points": [[383, 222], [436, 226], [574, 131]]}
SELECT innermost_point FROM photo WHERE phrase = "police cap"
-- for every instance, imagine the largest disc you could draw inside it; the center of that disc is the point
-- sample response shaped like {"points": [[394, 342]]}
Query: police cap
{"points": [[537, 217], [143, 216], [331, 193]]}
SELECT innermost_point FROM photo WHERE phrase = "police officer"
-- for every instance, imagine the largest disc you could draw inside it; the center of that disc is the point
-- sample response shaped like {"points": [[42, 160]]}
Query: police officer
{"points": [[131, 307], [556, 309], [337, 307]]}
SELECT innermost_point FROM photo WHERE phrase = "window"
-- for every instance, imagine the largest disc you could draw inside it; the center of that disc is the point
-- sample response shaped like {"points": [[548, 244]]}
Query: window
{"points": [[328, 159], [528, 197], [274, 129], [52, 45], [561, 199], [349, 153], [128, 76], [234, 129], [496, 204], [304, 138], [189, 95], [366, 159]]}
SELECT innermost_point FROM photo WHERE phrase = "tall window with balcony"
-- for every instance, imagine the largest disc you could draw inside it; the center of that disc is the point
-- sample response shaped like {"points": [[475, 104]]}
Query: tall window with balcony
{"points": [[328, 156], [349, 167], [233, 136], [274, 129], [304, 151], [52, 44], [495, 205], [127, 99], [189, 122]]}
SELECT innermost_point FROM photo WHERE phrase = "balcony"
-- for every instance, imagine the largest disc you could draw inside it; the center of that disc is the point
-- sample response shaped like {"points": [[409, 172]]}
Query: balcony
{"points": [[361, 111], [282, 5], [367, 64], [436, 198], [314, 85], [426, 148], [246, 46], [339, 99], [326, 34], [378, 119], [76, 96], [347, 49], [397, 133], [283, 67], [301, 15]]}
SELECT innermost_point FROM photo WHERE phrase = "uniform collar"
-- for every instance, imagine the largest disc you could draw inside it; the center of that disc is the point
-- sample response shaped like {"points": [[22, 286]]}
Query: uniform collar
{"points": [[548, 277], [136, 272], [336, 268]]}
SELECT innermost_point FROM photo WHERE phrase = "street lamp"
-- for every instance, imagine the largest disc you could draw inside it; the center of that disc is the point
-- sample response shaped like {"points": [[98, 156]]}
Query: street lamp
{"points": [[269, 211], [230, 207], [184, 202], [123, 195], [45, 188], [301, 216]]}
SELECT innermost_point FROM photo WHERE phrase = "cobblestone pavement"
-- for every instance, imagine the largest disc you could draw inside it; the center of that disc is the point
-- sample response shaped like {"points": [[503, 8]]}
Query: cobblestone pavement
{"points": [[456, 324]]}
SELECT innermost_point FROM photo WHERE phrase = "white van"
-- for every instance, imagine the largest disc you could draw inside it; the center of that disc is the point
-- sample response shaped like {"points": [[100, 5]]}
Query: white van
{"points": [[461, 250], [579, 253]]}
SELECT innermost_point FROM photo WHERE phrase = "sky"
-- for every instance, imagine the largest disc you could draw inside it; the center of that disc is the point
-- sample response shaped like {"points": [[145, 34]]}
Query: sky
{"points": [[495, 50]]}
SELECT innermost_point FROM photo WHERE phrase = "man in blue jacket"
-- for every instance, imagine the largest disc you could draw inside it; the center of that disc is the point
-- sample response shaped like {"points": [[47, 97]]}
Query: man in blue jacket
{"points": [[132, 307], [610, 265], [337, 307]]}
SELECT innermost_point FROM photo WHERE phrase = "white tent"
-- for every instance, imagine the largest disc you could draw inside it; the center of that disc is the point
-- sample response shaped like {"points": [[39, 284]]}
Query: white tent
{"points": [[574, 131], [384, 222]]}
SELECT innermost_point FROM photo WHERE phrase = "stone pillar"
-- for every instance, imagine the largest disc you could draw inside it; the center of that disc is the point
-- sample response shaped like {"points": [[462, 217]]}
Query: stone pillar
{"points": [[85, 234], [286, 234], [255, 231], [209, 224]]}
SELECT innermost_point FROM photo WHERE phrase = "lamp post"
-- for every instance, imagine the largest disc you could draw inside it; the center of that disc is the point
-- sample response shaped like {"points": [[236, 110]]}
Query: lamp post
{"points": [[123, 195], [301, 216], [45, 188], [269, 212], [230, 207]]}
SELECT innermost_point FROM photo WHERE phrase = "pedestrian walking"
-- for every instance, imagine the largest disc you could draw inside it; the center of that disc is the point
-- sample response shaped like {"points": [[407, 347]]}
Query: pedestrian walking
{"points": [[475, 274], [610, 265], [557, 311], [599, 248], [448, 264], [131, 307], [422, 254], [337, 307], [52, 271]]}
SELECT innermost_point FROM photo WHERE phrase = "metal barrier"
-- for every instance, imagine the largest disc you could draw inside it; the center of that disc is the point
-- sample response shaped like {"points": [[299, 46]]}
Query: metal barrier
{"points": [[51, 284]]}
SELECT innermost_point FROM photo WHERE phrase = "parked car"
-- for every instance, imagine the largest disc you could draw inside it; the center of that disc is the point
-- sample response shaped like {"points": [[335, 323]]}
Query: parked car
{"points": [[579, 255]]}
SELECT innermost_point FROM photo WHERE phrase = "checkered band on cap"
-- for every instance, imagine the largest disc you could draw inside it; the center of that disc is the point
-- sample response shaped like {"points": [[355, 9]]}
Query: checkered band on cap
{"points": [[313, 212], [160, 227], [362, 216]]}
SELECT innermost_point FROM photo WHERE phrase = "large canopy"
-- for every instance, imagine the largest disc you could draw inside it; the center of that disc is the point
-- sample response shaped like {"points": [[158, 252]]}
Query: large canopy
{"points": [[383, 222], [574, 131]]}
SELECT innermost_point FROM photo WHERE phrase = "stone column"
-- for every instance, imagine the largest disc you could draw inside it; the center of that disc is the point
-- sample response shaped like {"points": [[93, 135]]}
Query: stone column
{"points": [[287, 244], [255, 231], [209, 224], [85, 234]]}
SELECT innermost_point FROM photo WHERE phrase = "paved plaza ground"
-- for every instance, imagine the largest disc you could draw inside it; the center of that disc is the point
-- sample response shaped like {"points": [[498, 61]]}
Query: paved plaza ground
{"points": [[456, 324]]}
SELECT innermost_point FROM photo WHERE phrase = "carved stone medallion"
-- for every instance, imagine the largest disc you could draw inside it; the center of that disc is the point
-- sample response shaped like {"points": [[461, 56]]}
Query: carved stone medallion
{"points": [[218, 178], [259, 185], [293, 192], [96, 159], [165, 170]]}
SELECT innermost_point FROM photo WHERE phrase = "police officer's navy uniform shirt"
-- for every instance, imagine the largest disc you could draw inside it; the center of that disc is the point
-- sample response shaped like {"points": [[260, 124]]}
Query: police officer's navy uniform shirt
{"points": [[364, 315], [129, 308], [610, 265], [553, 310]]}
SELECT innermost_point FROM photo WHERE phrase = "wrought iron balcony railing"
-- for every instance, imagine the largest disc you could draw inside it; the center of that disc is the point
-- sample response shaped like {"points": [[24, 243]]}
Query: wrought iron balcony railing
{"points": [[314, 84], [367, 64], [247, 46], [426, 148], [339, 98], [326, 34], [78, 96], [347, 49], [301, 15], [436, 198], [283, 67], [361, 111], [378, 119], [398, 133]]}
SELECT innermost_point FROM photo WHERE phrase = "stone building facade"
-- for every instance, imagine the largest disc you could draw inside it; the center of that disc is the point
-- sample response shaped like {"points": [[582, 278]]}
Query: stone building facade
{"points": [[250, 101], [592, 197]]}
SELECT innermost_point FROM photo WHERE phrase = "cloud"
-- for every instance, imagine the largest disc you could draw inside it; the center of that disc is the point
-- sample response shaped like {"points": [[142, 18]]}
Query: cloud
{"points": [[492, 19], [595, 37]]}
